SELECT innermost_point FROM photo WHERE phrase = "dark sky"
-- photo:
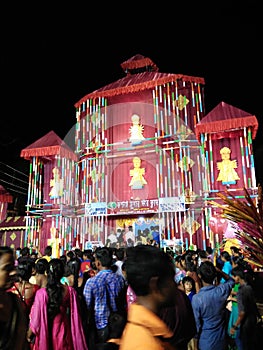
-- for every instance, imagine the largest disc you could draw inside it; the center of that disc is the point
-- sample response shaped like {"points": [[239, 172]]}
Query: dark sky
{"points": [[53, 55]]}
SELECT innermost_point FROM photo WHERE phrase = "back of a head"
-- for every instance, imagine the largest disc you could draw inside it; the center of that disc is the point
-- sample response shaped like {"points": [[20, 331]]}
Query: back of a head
{"points": [[48, 250], [235, 249], [120, 253], [41, 266], [73, 268], [24, 269], [207, 271], [144, 262], [203, 254], [24, 251], [225, 255], [54, 287], [104, 255], [55, 271]]}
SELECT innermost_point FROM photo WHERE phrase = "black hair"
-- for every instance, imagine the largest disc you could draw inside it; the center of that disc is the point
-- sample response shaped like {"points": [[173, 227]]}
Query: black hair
{"points": [[63, 258], [203, 254], [24, 269], [73, 268], [191, 280], [48, 250], [70, 254], [235, 249], [144, 262], [25, 251], [104, 255], [54, 288], [207, 271], [120, 253], [245, 273], [41, 266], [225, 255]]}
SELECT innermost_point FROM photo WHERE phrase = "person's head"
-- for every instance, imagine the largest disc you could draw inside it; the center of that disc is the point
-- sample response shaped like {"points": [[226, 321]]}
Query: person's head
{"points": [[48, 250], [237, 261], [188, 284], [41, 266], [63, 258], [55, 271], [70, 255], [242, 274], [25, 252], [87, 254], [203, 255], [150, 272], [225, 256], [103, 258], [79, 253], [234, 250], [73, 268], [120, 254], [24, 270], [7, 267], [207, 272]]}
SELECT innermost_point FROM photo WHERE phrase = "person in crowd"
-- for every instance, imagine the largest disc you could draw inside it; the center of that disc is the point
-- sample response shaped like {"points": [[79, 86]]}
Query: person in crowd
{"points": [[245, 325], [180, 271], [180, 320], [209, 306], [70, 255], [203, 256], [120, 255], [25, 256], [13, 322], [104, 292], [150, 273], [63, 258], [72, 273], [190, 265], [87, 259], [22, 287], [189, 286], [227, 266], [55, 316], [232, 302], [47, 253], [235, 252], [40, 276]]}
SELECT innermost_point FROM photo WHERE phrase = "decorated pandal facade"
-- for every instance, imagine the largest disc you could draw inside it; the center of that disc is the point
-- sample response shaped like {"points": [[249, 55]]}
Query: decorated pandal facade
{"points": [[145, 155]]}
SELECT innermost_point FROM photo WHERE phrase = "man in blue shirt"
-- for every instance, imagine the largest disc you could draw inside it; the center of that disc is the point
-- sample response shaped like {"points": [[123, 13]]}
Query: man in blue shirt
{"points": [[103, 293], [209, 306]]}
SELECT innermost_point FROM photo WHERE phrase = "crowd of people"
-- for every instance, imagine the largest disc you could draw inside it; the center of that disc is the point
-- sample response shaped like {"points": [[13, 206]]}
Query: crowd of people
{"points": [[136, 297]]}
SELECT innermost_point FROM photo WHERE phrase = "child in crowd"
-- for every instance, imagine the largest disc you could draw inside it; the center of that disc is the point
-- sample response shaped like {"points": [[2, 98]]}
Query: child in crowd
{"points": [[189, 286]]}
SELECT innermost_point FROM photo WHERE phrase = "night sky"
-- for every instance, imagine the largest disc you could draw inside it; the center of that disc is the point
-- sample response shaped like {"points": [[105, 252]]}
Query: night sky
{"points": [[53, 55]]}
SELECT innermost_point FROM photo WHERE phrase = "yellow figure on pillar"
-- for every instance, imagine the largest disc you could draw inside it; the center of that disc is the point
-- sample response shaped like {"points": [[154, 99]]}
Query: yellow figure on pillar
{"points": [[136, 131], [227, 173], [138, 181], [57, 184]]}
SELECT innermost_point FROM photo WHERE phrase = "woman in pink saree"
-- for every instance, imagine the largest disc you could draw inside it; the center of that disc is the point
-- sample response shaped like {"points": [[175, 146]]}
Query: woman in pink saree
{"points": [[55, 321]]}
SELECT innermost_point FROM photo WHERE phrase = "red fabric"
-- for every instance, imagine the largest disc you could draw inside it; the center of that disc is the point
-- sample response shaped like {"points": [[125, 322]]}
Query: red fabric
{"points": [[48, 145], [224, 118], [5, 196], [138, 61], [137, 82]]}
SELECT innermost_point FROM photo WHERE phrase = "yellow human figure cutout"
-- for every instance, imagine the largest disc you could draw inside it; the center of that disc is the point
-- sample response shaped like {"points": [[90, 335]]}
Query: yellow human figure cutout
{"points": [[57, 184], [138, 181], [136, 131], [227, 173]]}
